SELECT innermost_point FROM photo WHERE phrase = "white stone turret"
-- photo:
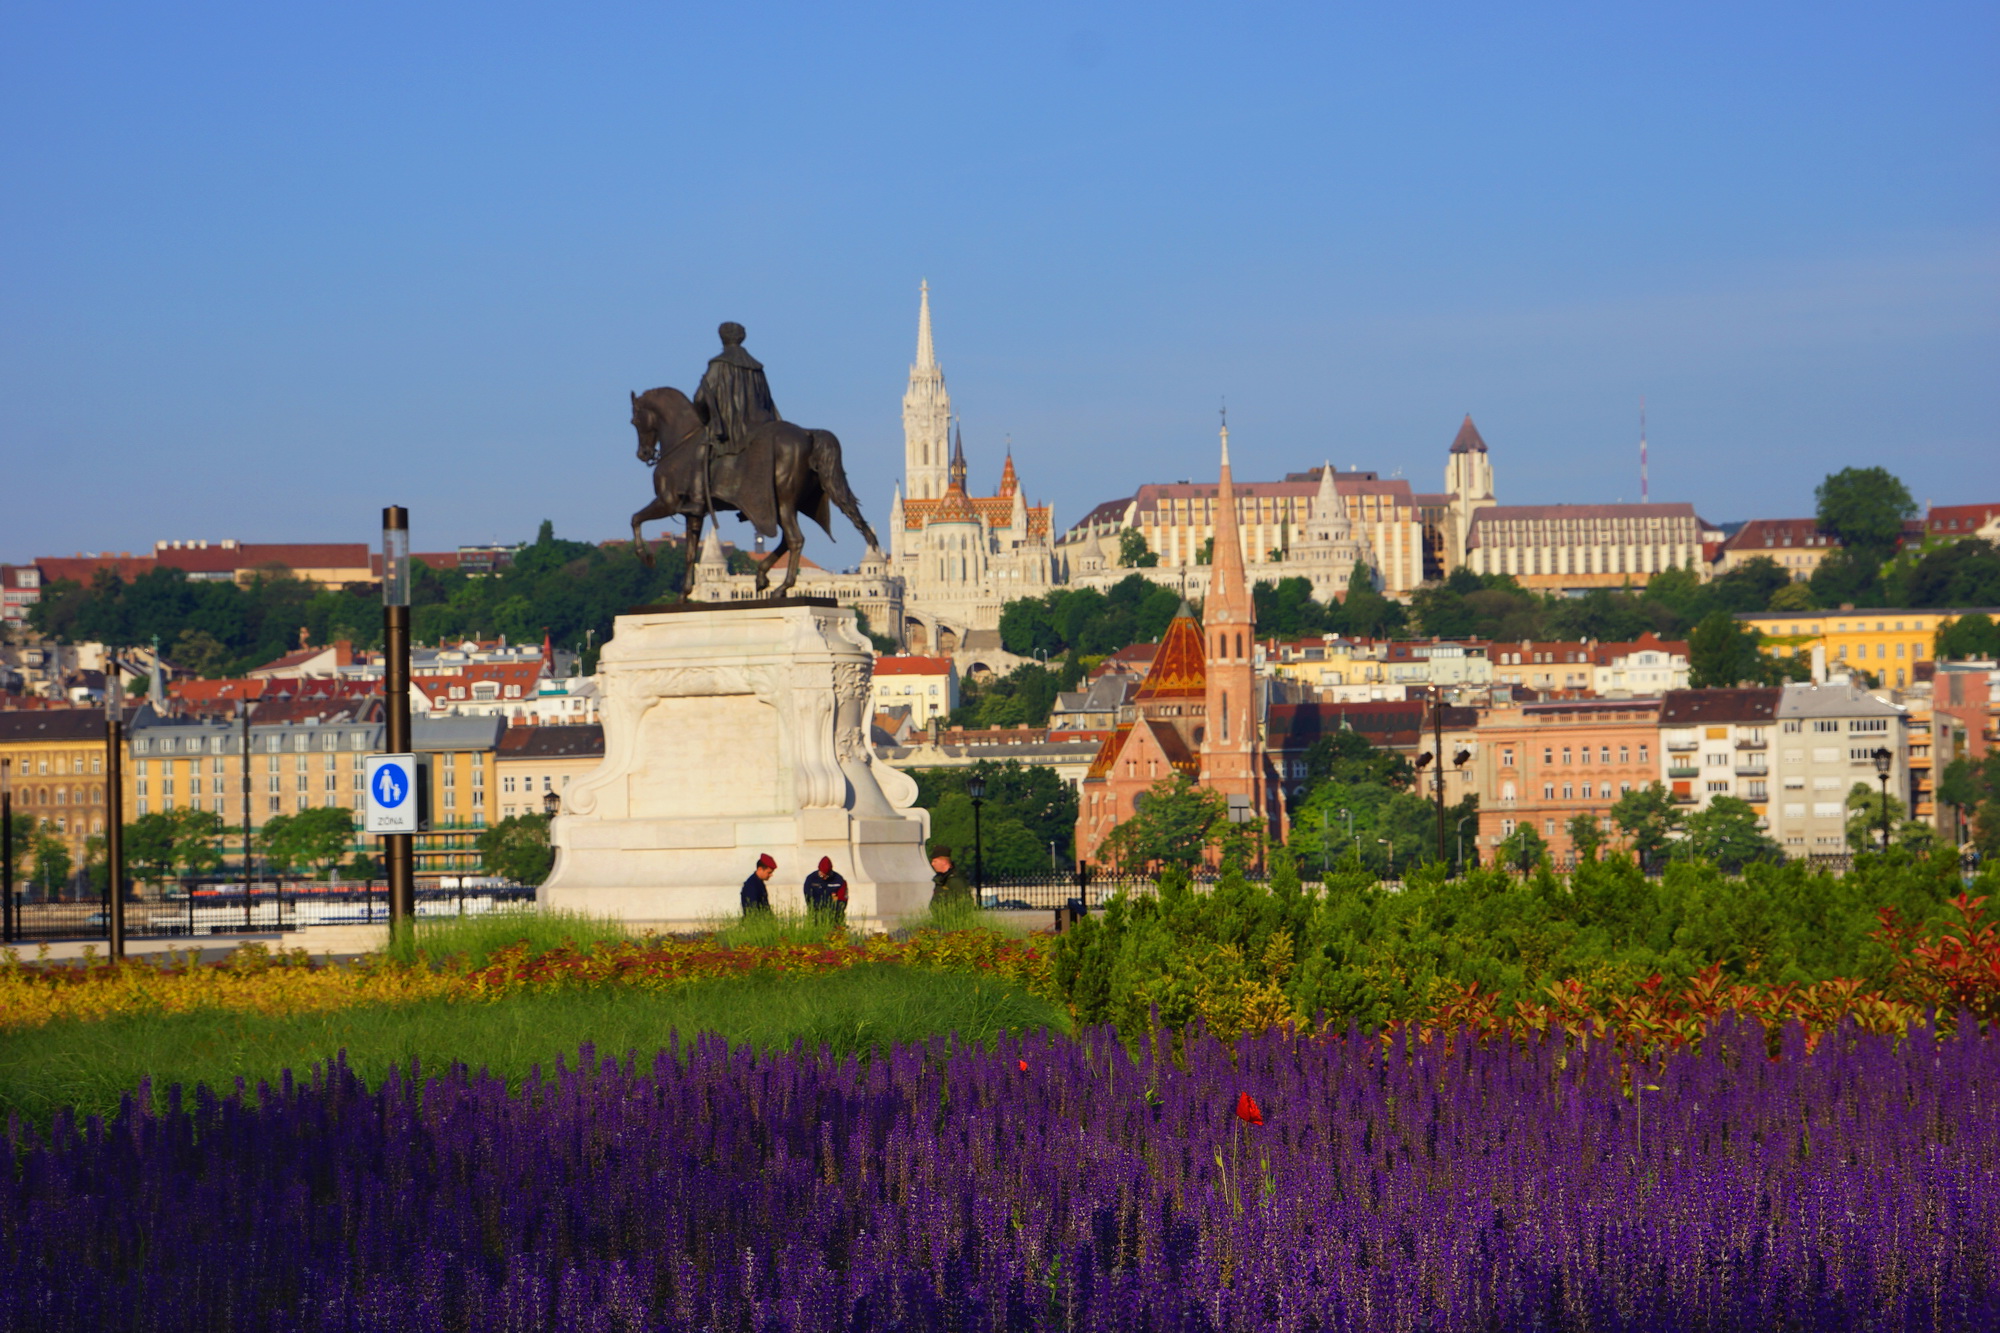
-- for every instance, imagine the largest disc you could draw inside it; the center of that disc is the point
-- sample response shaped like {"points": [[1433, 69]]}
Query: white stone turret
{"points": [[1328, 550], [926, 413]]}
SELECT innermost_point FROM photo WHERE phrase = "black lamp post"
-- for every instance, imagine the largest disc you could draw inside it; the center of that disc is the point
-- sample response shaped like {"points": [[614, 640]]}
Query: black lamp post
{"points": [[551, 803], [6, 852], [975, 786], [1884, 761]]}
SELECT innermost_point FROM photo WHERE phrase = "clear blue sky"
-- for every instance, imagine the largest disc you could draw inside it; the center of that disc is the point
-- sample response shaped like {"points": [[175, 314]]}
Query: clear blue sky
{"points": [[264, 268]]}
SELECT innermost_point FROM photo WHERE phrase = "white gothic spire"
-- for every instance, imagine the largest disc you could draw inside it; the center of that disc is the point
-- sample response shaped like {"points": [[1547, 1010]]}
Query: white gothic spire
{"points": [[926, 353]]}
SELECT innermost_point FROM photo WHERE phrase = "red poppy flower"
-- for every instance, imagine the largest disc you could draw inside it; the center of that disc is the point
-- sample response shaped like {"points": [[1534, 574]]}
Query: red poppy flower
{"points": [[1024, 1066], [1246, 1110]]}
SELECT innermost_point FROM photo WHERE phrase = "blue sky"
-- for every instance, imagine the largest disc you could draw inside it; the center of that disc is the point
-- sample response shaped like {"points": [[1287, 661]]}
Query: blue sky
{"points": [[265, 268]]}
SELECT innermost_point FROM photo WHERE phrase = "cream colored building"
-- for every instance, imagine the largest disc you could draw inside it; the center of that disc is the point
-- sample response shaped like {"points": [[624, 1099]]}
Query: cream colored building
{"points": [[1796, 545], [1568, 548], [928, 686]]}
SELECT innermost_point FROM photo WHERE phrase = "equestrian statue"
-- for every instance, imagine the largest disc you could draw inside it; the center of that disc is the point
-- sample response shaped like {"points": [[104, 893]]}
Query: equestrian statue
{"points": [[728, 449]]}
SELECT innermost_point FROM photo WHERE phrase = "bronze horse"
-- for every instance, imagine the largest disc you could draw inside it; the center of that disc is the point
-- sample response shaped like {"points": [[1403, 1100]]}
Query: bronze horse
{"points": [[781, 471]]}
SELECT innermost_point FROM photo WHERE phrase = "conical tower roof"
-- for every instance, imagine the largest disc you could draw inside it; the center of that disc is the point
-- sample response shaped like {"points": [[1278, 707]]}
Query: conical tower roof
{"points": [[1179, 669], [1010, 482], [1468, 441], [926, 353]]}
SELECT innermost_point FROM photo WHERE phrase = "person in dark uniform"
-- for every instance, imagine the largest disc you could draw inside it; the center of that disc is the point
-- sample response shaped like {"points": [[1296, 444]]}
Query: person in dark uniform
{"points": [[948, 887], [826, 890], [734, 398], [756, 896]]}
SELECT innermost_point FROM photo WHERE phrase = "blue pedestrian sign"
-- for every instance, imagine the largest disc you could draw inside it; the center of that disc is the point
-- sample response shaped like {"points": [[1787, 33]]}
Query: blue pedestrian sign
{"points": [[392, 805]]}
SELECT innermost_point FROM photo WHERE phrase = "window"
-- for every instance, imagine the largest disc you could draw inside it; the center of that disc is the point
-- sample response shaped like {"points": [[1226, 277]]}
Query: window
{"points": [[1566, 792], [1718, 786], [1624, 754], [1549, 827], [1624, 787], [1826, 725], [507, 786], [1507, 758], [1548, 791], [1717, 760], [1604, 754], [1757, 791], [1548, 754], [1791, 726], [1643, 752]]}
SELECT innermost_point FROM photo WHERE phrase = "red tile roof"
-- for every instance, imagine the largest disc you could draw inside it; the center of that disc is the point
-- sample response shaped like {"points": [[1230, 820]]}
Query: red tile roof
{"points": [[910, 664], [1768, 534], [1958, 520], [1180, 667]]}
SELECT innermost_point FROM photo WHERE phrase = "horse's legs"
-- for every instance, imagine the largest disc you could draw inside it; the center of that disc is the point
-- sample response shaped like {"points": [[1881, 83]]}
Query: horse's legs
{"points": [[833, 477], [693, 553], [785, 543], [658, 509], [795, 542]]}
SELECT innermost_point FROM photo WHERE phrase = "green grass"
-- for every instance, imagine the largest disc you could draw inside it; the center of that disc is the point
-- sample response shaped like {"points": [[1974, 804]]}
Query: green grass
{"points": [[90, 1065], [478, 938], [763, 929]]}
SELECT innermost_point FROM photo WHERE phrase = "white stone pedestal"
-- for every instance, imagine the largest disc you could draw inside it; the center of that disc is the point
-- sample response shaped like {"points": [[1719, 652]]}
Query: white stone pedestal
{"points": [[733, 729]]}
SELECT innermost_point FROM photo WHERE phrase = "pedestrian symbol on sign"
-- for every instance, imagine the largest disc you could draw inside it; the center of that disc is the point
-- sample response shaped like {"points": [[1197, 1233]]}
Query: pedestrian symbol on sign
{"points": [[390, 787]]}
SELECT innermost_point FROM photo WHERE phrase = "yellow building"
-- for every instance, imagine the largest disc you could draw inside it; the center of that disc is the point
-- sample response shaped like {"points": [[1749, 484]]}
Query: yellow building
{"points": [[53, 763], [464, 789], [1887, 644]]}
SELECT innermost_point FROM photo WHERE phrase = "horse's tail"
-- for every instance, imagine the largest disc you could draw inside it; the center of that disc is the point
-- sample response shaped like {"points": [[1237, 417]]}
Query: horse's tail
{"points": [[832, 474]]}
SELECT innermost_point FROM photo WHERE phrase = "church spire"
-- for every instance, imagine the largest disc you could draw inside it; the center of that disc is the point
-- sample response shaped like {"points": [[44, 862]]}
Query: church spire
{"points": [[958, 456], [926, 353], [1226, 584]]}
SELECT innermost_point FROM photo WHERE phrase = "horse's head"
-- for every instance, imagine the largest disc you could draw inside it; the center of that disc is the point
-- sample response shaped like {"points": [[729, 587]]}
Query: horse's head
{"points": [[646, 421]]}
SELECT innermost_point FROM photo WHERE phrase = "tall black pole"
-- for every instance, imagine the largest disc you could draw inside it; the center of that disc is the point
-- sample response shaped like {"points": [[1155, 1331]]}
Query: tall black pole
{"points": [[399, 849], [1885, 810], [1437, 762], [243, 708], [6, 853], [978, 855], [114, 813]]}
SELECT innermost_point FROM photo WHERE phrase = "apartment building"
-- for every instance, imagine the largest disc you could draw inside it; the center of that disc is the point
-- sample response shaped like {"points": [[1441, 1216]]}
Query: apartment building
{"points": [[928, 685], [1718, 743], [1826, 742], [1545, 763], [1796, 545], [535, 761], [1887, 644], [464, 787], [53, 760]]}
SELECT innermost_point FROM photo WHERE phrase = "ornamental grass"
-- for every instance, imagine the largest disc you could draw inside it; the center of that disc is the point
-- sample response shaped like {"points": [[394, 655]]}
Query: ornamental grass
{"points": [[1276, 1182]]}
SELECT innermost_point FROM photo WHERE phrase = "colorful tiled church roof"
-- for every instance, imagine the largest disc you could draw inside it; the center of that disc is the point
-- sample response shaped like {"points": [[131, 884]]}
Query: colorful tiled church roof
{"points": [[1180, 668]]}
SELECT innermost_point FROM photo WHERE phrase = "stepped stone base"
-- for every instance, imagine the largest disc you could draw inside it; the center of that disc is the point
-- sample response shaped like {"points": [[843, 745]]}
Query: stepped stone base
{"points": [[730, 730]]}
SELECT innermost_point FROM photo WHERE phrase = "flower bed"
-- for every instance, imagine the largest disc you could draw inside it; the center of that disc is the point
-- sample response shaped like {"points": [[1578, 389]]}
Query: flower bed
{"points": [[255, 980], [1277, 1183]]}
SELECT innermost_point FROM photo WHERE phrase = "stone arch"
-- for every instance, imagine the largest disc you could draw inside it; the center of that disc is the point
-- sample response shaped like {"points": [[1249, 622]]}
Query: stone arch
{"points": [[947, 640], [916, 635]]}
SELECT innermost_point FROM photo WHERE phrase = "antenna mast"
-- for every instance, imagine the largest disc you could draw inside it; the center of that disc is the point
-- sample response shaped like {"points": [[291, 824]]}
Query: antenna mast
{"points": [[1644, 497]]}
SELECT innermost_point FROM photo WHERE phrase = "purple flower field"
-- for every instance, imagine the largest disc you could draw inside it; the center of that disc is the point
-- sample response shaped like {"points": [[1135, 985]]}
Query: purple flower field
{"points": [[939, 1188]]}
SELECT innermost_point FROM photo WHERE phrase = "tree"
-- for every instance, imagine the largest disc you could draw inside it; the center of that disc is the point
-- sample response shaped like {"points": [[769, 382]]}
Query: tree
{"points": [[1346, 757], [1133, 552], [1388, 830], [1960, 573], [1206, 555], [883, 643], [1522, 849], [364, 868], [149, 847], [517, 849], [1722, 652], [1176, 824], [318, 837], [1727, 835], [1794, 596], [1848, 577], [1865, 816], [194, 834], [52, 859], [1366, 611], [1649, 819], [1586, 835], [1027, 808], [1864, 508], [1964, 637], [23, 842]]}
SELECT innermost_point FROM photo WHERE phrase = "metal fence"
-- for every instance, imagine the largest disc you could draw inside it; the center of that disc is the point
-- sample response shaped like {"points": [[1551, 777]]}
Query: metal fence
{"points": [[225, 909]]}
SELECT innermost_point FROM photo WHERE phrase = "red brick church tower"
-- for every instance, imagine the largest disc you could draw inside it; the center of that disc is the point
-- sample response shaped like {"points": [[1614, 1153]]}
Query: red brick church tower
{"points": [[1233, 761], [1198, 712]]}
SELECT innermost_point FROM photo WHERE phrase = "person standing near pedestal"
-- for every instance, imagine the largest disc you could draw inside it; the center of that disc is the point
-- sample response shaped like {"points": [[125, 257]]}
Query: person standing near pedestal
{"points": [[756, 894], [948, 886], [825, 887]]}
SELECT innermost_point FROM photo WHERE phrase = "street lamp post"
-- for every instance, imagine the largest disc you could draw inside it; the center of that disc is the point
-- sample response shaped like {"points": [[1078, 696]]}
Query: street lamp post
{"points": [[1349, 817], [399, 849], [1390, 847], [6, 851], [1463, 821], [976, 788], [1884, 761], [114, 814], [243, 709]]}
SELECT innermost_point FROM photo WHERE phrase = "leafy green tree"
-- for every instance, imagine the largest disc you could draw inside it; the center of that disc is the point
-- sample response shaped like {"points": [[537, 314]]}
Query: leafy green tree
{"points": [[1347, 757], [1748, 587], [1385, 830], [1865, 816], [1964, 637], [364, 868], [149, 847], [1726, 835], [883, 643], [194, 834], [52, 859], [1523, 849], [318, 837], [1586, 835], [1177, 823], [1133, 552], [1286, 609], [1794, 596], [1960, 573], [23, 843], [1848, 577], [1206, 555], [1650, 820], [1366, 611], [1722, 652], [1028, 808], [517, 849], [1864, 508], [96, 863]]}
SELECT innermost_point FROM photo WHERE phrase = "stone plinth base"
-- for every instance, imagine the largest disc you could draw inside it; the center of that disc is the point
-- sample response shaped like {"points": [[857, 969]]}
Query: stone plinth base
{"points": [[730, 730]]}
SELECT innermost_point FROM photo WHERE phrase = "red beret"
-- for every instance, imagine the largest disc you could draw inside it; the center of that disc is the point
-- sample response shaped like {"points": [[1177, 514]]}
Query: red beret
{"points": [[764, 862], [826, 865]]}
